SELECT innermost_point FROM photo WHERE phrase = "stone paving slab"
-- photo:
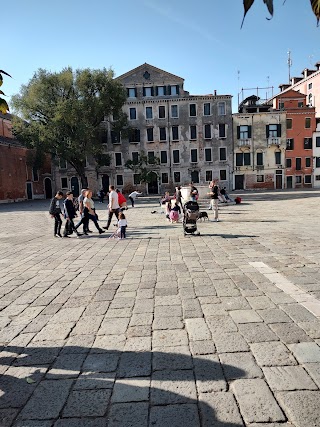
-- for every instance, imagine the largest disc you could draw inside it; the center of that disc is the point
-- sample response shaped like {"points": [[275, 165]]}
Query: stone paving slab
{"points": [[218, 330]]}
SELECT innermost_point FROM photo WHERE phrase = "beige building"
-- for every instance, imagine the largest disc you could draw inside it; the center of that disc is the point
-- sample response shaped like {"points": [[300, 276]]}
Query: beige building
{"points": [[259, 146]]}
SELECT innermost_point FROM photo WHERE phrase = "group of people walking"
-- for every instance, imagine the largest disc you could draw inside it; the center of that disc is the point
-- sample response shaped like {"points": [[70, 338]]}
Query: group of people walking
{"points": [[67, 208]]}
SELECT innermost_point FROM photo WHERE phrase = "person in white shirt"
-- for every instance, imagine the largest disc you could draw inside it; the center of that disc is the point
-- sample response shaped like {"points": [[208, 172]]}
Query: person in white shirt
{"points": [[122, 225], [133, 196], [114, 207]]}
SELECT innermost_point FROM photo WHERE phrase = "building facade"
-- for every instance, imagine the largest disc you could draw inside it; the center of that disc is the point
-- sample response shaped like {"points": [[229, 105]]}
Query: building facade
{"points": [[300, 124], [259, 146], [189, 135], [316, 154]]}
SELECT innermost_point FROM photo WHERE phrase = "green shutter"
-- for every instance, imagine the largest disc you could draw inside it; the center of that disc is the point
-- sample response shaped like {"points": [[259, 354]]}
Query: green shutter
{"points": [[267, 131], [238, 132], [169, 90], [152, 91], [249, 131], [178, 88], [279, 130]]}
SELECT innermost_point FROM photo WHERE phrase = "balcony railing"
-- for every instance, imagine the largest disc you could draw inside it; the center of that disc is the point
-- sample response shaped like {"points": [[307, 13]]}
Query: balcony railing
{"points": [[244, 142], [273, 141]]}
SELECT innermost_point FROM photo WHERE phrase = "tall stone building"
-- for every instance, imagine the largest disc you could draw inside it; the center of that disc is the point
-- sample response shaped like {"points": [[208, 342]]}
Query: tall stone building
{"points": [[191, 135]]}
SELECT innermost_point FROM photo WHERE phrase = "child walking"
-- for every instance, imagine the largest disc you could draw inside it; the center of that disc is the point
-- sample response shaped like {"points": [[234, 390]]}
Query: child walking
{"points": [[122, 225]]}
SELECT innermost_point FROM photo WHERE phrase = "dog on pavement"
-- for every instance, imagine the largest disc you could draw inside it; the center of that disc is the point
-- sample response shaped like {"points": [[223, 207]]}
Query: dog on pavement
{"points": [[203, 216]]}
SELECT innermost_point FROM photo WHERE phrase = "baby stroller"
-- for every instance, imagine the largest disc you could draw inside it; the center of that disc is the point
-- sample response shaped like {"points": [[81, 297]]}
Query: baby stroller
{"points": [[190, 216]]}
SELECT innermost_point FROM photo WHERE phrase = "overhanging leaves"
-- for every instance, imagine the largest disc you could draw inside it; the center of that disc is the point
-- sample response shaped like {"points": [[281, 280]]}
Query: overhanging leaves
{"points": [[246, 4], [315, 4], [3, 106]]}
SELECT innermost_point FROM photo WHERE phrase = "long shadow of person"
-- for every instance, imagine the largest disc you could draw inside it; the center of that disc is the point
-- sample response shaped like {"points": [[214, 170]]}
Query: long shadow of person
{"points": [[75, 386]]}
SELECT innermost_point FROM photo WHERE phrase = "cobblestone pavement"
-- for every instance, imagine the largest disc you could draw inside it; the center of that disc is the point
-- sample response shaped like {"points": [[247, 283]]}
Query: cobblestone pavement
{"points": [[219, 330]]}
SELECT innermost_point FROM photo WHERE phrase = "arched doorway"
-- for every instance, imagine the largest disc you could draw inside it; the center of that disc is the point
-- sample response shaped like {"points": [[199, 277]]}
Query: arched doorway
{"points": [[47, 188], [75, 186], [105, 181], [153, 187]]}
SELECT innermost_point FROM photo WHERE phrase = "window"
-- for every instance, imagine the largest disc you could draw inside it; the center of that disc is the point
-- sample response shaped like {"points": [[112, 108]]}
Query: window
{"points": [[310, 86], [151, 157], [132, 92], [133, 113], [281, 105], [148, 91], [260, 178], [118, 158], [163, 157], [64, 182], [208, 155], [307, 179], [298, 179], [317, 177], [208, 176], [288, 163], [35, 174], [298, 163], [163, 134], [222, 130], [273, 131], [243, 132], [222, 154], [135, 157], [136, 178], [165, 178], [207, 109], [194, 155], [174, 90], [307, 123], [239, 159], [115, 137], [134, 135], [259, 159], [192, 110], [289, 123], [308, 162], [162, 112], [307, 143], [193, 132], [176, 156], [310, 99], [150, 134], [175, 133], [161, 90], [221, 108], [119, 179], [290, 143], [207, 131], [300, 104], [176, 176], [223, 175], [174, 111], [149, 114], [62, 163], [246, 159], [317, 162], [277, 157], [318, 141]]}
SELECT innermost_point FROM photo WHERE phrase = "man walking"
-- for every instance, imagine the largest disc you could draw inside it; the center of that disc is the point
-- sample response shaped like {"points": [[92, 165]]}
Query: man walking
{"points": [[114, 207], [69, 214], [55, 212]]}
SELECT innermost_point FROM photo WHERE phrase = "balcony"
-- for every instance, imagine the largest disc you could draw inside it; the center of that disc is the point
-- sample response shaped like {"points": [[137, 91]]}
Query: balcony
{"points": [[273, 141], [244, 142]]}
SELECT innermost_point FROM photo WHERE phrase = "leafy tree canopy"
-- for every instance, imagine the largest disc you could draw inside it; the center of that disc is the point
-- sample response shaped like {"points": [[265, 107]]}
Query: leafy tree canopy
{"points": [[3, 103], [315, 5], [144, 167], [61, 113]]}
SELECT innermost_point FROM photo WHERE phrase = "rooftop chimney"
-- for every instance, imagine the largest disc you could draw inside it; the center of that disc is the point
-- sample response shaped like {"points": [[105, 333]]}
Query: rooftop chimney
{"points": [[215, 92]]}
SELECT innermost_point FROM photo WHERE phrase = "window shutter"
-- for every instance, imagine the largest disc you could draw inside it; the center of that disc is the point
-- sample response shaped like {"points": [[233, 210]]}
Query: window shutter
{"points": [[128, 93], [169, 90], [238, 132], [157, 91], [144, 91], [135, 92], [138, 135], [249, 131], [152, 91], [178, 89], [267, 131], [279, 130], [165, 90]]}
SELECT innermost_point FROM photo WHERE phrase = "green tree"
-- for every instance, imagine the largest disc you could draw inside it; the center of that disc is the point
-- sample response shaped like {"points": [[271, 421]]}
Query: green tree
{"points": [[62, 113], [144, 167], [3, 103], [315, 5]]}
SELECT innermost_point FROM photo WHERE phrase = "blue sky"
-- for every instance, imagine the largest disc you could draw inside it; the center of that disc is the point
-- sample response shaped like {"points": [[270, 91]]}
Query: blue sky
{"points": [[200, 41]]}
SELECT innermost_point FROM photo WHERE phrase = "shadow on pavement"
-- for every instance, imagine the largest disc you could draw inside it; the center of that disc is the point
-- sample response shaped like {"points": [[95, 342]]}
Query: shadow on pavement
{"points": [[58, 383]]}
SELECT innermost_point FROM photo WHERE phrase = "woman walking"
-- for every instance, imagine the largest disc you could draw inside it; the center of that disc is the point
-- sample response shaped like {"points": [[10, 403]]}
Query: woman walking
{"points": [[89, 211]]}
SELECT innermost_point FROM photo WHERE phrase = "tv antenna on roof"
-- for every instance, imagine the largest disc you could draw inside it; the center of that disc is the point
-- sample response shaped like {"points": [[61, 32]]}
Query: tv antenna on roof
{"points": [[289, 62]]}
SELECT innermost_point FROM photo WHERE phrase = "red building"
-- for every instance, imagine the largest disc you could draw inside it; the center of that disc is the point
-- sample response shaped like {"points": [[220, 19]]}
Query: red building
{"points": [[301, 123], [18, 179]]}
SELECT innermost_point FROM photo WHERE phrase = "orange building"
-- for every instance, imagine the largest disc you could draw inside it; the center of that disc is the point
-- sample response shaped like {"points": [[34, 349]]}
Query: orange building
{"points": [[18, 179], [301, 123]]}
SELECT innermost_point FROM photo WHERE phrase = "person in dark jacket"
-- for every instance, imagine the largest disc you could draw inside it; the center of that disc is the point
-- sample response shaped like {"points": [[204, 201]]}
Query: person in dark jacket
{"points": [[69, 214], [55, 212]]}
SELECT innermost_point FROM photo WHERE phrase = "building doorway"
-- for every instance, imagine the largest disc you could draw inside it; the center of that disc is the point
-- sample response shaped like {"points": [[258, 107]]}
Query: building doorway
{"points": [[29, 191], [153, 184], [47, 188], [278, 180], [195, 177], [74, 183], [105, 182], [289, 182], [239, 182]]}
